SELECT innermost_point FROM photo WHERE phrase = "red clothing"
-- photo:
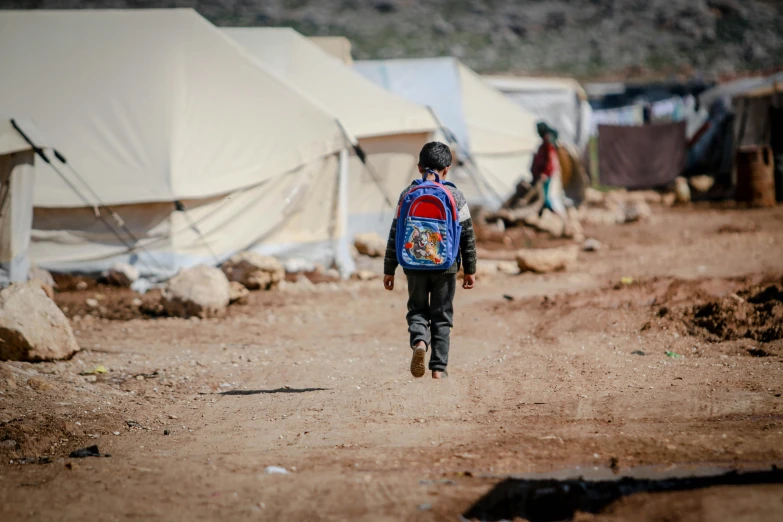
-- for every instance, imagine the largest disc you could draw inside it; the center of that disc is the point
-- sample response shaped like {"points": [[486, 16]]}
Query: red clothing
{"points": [[544, 162]]}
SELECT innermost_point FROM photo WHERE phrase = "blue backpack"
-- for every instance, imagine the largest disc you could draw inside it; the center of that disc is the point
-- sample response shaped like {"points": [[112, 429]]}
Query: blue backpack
{"points": [[428, 228]]}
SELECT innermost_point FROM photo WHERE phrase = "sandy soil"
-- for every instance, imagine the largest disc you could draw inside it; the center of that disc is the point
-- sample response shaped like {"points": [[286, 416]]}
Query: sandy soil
{"points": [[571, 372]]}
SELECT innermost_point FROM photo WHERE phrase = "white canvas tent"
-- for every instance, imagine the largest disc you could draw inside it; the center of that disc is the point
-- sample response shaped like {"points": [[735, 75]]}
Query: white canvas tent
{"points": [[388, 128], [560, 102], [172, 124], [496, 134], [17, 178]]}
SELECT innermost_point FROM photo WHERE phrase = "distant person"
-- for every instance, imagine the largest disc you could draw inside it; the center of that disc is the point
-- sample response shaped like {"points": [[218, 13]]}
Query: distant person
{"points": [[546, 172], [430, 237]]}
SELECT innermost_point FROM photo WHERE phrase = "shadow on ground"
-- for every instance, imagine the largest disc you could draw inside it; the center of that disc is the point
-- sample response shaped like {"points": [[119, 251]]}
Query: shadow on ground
{"points": [[276, 390]]}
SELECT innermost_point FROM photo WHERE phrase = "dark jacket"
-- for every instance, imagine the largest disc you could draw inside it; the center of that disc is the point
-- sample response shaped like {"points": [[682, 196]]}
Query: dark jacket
{"points": [[467, 241]]}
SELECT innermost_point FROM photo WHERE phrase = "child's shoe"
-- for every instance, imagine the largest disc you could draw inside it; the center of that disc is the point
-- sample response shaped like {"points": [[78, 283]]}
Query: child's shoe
{"points": [[417, 361]]}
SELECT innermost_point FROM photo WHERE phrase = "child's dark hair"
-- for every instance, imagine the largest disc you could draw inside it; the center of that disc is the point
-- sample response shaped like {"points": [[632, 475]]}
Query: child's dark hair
{"points": [[435, 155]]}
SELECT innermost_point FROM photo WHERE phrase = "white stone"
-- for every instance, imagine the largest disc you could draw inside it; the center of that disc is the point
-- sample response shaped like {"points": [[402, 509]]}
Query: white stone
{"points": [[545, 260], [592, 245], [508, 267], [32, 328], [297, 266], [702, 183], [253, 270], [200, 291]]}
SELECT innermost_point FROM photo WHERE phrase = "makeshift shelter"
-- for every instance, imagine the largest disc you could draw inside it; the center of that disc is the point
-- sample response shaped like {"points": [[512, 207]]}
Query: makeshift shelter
{"points": [[198, 151], [756, 107], [495, 137], [337, 46], [388, 129], [560, 102], [17, 178]]}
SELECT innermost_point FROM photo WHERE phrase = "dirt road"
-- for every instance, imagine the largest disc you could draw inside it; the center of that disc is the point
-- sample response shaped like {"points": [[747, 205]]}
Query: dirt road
{"points": [[572, 372]]}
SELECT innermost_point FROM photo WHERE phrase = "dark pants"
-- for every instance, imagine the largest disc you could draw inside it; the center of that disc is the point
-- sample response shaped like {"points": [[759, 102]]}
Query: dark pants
{"points": [[431, 313]]}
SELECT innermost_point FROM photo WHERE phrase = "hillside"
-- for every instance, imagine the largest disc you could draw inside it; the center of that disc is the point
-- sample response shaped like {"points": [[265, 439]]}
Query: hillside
{"points": [[586, 38]]}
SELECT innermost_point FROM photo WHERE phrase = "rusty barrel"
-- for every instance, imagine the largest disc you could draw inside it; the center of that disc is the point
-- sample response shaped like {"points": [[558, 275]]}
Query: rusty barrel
{"points": [[755, 176]]}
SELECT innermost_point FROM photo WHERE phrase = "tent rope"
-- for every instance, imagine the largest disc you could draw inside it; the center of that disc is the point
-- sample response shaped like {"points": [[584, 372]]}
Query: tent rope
{"points": [[117, 218], [474, 165], [181, 208], [96, 209]]}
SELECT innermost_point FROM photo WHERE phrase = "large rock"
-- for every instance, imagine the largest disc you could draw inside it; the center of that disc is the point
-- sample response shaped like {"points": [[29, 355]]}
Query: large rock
{"points": [[253, 270], [32, 328], [201, 291], [121, 274], [370, 244], [543, 260]]}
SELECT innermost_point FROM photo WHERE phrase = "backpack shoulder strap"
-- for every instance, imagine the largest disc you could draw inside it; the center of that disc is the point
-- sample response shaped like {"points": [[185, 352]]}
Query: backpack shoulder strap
{"points": [[454, 211]]}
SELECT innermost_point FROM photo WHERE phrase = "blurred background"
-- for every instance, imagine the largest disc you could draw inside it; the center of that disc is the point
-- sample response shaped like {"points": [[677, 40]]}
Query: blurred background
{"points": [[585, 38]]}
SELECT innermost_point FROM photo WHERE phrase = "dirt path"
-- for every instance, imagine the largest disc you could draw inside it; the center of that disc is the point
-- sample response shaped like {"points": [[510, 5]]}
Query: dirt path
{"points": [[318, 383]]}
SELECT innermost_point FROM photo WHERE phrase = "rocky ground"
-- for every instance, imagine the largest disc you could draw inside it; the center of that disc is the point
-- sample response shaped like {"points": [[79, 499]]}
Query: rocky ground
{"points": [[663, 348], [586, 38]]}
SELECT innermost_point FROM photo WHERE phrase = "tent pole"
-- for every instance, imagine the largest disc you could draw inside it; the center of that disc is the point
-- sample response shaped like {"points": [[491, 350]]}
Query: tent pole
{"points": [[342, 256]]}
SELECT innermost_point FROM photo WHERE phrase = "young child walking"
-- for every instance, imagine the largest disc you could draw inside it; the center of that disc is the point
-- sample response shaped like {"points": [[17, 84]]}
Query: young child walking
{"points": [[431, 235]]}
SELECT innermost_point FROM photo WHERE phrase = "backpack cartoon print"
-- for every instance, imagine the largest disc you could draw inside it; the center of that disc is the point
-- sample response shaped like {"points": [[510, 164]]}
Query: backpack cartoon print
{"points": [[424, 245]]}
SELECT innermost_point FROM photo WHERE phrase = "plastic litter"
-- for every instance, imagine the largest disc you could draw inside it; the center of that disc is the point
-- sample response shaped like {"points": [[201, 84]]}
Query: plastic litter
{"points": [[275, 470]]}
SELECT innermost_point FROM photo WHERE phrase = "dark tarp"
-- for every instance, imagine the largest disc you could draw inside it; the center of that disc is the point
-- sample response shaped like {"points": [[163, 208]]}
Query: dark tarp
{"points": [[640, 157]]}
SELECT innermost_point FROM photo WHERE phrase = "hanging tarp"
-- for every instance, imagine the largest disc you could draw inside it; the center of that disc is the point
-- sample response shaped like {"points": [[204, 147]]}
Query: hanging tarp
{"points": [[640, 157], [621, 116]]}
